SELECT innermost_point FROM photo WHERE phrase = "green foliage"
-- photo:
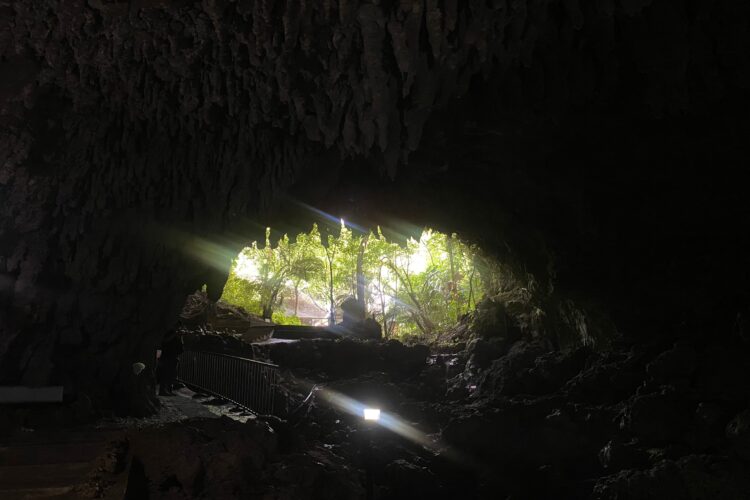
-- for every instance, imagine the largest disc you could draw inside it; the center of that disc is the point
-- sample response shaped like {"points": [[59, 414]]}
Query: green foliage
{"points": [[242, 292], [417, 290], [282, 319]]}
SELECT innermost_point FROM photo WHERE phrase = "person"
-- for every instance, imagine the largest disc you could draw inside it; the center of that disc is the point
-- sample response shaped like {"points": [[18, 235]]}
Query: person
{"points": [[171, 348], [355, 323], [353, 312]]}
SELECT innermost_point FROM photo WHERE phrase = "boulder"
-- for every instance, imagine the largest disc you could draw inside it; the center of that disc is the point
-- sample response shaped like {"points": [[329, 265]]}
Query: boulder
{"points": [[508, 375]]}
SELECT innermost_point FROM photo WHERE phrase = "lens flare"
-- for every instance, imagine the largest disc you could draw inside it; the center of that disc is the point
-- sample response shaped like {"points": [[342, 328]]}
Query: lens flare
{"points": [[331, 218], [385, 419]]}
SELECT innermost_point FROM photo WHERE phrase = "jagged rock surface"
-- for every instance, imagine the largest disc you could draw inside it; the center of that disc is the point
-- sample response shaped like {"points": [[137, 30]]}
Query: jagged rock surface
{"points": [[622, 424]]}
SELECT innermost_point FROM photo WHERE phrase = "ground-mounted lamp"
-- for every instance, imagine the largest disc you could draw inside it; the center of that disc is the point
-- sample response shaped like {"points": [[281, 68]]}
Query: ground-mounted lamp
{"points": [[371, 416]]}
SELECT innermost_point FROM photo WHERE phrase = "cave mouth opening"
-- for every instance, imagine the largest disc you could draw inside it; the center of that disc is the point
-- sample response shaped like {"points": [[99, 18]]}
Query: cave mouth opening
{"points": [[417, 287]]}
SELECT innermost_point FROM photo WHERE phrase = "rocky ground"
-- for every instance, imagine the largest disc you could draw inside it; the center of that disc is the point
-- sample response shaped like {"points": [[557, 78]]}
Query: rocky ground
{"points": [[495, 415], [506, 417], [499, 414]]}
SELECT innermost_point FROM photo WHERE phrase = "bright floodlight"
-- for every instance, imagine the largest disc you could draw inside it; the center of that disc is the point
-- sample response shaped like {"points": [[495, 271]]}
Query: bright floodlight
{"points": [[372, 414]]}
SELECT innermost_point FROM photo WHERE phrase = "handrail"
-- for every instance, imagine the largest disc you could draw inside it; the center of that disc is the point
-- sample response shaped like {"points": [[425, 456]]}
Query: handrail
{"points": [[240, 357], [245, 382]]}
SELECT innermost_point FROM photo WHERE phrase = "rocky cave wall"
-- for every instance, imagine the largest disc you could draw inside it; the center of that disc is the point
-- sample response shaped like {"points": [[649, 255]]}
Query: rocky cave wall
{"points": [[139, 140]]}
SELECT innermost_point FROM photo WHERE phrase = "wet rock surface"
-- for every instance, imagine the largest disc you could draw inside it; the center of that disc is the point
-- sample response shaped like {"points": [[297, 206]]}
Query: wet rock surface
{"points": [[538, 424], [629, 423]]}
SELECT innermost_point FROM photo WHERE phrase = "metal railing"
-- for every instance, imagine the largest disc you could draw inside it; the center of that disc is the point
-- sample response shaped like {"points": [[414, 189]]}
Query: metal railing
{"points": [[245, 382]]}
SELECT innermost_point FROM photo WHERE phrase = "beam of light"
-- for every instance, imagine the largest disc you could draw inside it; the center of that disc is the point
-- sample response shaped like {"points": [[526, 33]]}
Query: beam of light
{"points": [[217, 253], [400, 231], [331, 218], [352, 225], [246, 267], [209, 253], [387, 420], [317, 211]]}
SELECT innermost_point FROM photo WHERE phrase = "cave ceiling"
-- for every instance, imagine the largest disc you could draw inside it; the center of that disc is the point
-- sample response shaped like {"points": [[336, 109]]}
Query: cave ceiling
{"points": [[567, 121]]}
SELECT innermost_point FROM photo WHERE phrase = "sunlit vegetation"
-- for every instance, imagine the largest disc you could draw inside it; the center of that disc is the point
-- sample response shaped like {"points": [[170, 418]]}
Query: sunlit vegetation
{"points": [[417, 289]]}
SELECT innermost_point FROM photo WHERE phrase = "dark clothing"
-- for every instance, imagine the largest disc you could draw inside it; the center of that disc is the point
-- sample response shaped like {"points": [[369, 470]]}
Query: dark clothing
{"points": [[171, 348], [167, 374]]}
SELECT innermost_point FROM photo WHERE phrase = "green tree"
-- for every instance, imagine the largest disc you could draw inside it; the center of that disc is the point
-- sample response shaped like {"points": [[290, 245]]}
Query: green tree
{"points": [[306, 262], [417, 289], [340, 252]]}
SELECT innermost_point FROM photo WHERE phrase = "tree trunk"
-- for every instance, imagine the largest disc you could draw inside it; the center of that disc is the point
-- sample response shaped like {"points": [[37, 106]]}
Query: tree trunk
{"points": [[332, 312], [382, 301], [425, 324], [449, 245], [471, 286], [296, 297], [361, 283], [453, 287]]}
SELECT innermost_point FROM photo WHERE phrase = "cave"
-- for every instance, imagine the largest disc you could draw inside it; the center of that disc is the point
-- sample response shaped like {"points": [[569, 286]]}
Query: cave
{"points": [[595, 149]]}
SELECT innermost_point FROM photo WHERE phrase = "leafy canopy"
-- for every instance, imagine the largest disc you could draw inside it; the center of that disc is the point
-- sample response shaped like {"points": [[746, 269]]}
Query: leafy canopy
{"points": [[416, 290]]}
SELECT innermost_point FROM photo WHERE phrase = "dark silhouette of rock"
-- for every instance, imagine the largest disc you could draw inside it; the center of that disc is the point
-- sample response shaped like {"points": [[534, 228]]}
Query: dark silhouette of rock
{"points": [[349, 357]]}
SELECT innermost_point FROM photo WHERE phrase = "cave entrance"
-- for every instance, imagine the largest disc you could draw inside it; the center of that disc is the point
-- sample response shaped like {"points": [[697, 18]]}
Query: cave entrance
{"points": [[415, 289]]}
